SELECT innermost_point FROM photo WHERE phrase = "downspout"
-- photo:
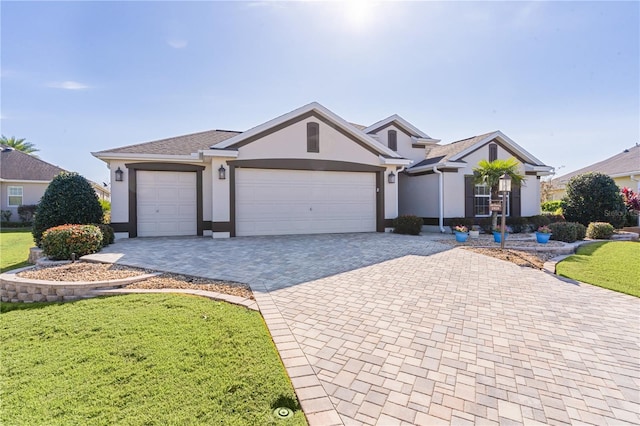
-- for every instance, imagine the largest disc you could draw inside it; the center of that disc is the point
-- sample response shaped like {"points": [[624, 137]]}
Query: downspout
{"points": [[440, 198]]}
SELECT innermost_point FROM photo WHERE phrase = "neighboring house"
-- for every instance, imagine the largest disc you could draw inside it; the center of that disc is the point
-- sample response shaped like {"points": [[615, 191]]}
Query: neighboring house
{"points": [[306, 172], [623, 168], [24, 179]]}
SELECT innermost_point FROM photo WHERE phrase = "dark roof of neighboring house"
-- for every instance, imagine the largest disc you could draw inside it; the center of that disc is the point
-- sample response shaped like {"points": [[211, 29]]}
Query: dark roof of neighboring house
{"points": [[17, 165], [179, 145], [626, 162]]}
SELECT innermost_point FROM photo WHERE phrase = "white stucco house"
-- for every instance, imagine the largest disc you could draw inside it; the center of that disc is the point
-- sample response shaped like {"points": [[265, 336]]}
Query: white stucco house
{"points": [[308, 171]]}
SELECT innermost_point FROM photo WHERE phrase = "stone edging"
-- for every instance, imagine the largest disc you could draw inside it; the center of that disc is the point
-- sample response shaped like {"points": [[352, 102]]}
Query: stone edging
{"points": [[214, 295], [17, 289]]}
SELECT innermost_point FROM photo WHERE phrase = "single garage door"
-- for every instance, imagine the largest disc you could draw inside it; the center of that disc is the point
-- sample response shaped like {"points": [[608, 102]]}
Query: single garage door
{"points": [[167, 203], [278, 202]]}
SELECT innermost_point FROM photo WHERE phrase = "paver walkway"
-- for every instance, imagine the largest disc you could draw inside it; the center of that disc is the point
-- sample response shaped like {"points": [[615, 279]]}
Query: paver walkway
{"points": [[404, 332]]}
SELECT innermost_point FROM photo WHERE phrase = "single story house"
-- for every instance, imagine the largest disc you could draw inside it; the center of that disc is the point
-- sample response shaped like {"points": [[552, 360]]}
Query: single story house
{"points": [[24, 179], [308, 171], [623, 168]]}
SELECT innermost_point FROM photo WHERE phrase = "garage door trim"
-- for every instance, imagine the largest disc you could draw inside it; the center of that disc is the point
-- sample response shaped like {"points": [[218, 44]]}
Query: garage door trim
{"points": [[162, 167], [307, 164]]}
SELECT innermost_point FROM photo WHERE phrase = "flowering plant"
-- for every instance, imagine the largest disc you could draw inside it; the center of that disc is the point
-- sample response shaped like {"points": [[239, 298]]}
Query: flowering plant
{"points": [[461, 228], [544, 230], [498, 228], [631, 199]]}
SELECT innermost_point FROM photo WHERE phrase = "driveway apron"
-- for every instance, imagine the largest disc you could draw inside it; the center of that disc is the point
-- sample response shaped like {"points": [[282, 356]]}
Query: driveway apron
{"points": [[390, 329]]}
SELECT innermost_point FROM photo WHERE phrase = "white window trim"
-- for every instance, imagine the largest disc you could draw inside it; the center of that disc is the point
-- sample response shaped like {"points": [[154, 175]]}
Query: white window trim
{"points": [[9, 195], [508, 199]]}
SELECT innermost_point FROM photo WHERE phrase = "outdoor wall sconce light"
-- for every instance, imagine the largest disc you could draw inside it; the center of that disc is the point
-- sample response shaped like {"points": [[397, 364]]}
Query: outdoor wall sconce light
{"points": [[392, 177], [119, 175], [222, 173]]}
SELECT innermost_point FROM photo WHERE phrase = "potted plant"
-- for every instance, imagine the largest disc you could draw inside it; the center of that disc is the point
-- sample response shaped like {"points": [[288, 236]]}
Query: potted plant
{"points": [[475, 231], [497, 233], [462, 233], [543, 234]]}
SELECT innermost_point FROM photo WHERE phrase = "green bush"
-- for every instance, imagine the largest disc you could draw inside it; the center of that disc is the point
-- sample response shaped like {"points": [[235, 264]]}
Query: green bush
{"points": [[14, 224], [518, 224], [59, 242], [26, 212], [539, 220], [552, 206], [485, 224], [108, 237], [600, 230], [553, 218], [105, 205], [69, 198], [594, 197], [581, 231], [407, 224], [564, 231], [6, 215]]}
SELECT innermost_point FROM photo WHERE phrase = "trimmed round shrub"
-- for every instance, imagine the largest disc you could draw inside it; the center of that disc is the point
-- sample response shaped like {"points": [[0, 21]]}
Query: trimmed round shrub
{"points": [[60, 241], [108, 237], [69, 198], [539, 220], [599, 230], [568, 232], [594, 197], [581, 231], [518, 224], [407, 224]]}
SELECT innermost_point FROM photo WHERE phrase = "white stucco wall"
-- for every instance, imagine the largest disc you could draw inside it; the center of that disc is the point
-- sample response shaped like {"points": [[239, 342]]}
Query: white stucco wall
{"points": [[291, 142], [530, 196]]}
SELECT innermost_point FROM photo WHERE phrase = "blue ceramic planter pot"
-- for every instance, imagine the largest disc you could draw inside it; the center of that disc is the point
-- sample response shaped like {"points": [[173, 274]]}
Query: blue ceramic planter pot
{"points": [[542, 238], [461, 237], [497, 237]]}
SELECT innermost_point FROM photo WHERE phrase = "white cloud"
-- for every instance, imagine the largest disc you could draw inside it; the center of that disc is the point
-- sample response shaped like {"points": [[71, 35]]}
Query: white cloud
{"points": [[177, 43], [69, 85]]}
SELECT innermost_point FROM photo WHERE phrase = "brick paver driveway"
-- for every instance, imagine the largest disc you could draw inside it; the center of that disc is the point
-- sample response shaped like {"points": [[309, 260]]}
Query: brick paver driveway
{"points": [[388, 329]]}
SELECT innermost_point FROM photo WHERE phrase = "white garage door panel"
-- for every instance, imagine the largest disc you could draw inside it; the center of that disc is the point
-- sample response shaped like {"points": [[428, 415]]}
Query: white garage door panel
{"points": [[276, 202], [167, 203]]}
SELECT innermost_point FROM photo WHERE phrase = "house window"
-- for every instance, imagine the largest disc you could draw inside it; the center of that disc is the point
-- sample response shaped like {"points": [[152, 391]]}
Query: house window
{"points": [[392, 139], [482, 199], [313, 137], [15, 196], [493, 152]]}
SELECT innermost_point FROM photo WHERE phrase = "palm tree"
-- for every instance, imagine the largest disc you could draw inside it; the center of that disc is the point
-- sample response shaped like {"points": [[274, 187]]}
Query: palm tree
{"points": [[19, 145], [489, 173]]}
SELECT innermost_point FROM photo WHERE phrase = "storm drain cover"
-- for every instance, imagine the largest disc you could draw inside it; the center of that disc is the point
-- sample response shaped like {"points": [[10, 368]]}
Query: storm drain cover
{"points": [[282, 412]]}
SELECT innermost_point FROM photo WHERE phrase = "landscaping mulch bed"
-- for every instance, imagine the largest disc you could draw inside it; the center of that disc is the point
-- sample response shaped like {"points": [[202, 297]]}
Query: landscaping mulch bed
{"points": [[522, 258], [87, 271]]}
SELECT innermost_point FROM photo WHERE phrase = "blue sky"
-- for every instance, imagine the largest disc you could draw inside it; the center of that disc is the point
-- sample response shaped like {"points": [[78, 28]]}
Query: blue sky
{"points": [[560, 78]]}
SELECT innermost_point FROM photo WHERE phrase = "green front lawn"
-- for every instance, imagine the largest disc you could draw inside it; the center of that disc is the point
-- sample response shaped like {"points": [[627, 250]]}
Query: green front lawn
{"points": [[140, 359], [609, 264], [14, 248]]}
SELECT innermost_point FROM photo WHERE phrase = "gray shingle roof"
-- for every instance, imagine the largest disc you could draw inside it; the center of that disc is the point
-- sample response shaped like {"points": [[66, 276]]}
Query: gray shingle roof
{"points": [[179, 145], [17, 165], [442, 153], [626, 162]]}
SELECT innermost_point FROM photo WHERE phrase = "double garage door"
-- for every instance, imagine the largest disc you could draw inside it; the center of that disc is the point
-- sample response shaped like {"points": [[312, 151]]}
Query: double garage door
{"points": [[268, 202], [279, 202]]}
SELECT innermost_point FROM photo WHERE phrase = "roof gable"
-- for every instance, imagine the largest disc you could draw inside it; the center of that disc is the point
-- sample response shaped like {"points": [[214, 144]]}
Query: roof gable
{"points": [[17, 165], [318, 111], [398, 122]]}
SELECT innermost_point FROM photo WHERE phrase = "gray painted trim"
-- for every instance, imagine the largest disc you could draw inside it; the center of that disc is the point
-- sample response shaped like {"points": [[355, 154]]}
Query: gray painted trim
{"points": [[501, 145], [397, 125], [232, 199], [305, 164], [162, 167]]}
